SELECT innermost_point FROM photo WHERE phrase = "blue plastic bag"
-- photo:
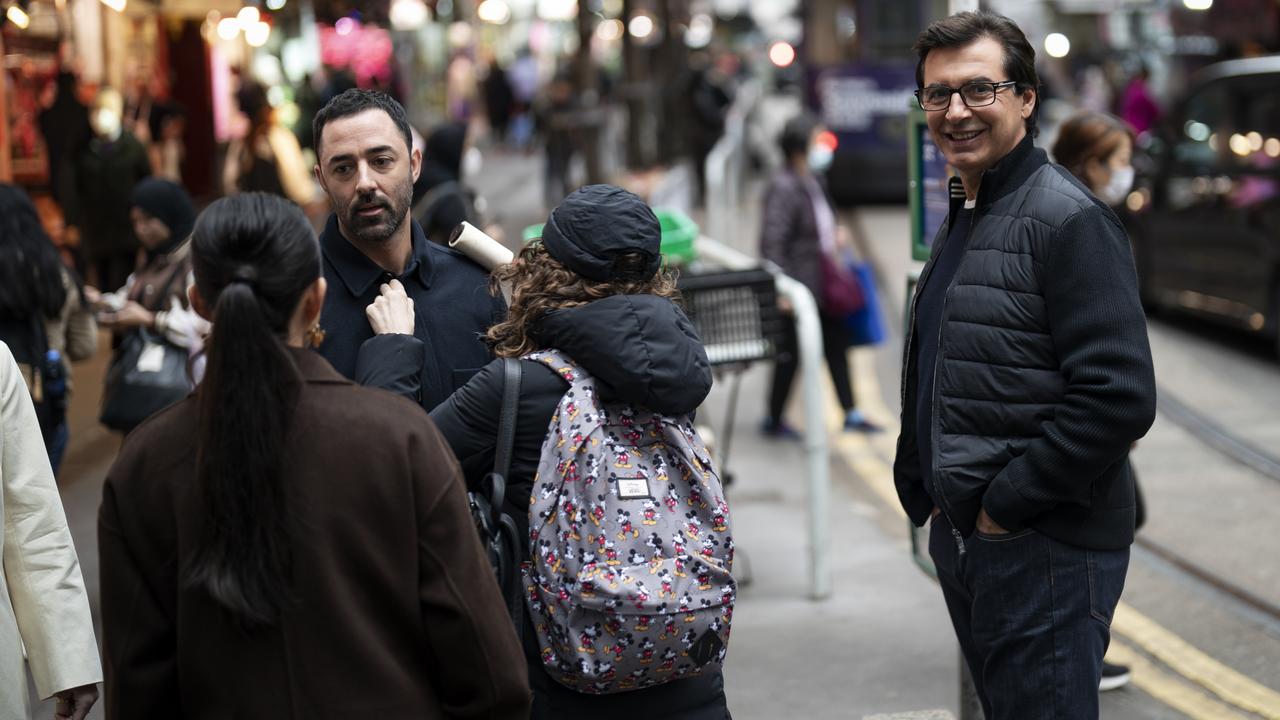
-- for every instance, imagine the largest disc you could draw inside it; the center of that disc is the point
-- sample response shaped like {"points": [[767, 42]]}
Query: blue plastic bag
{"points": [[866, 325]]}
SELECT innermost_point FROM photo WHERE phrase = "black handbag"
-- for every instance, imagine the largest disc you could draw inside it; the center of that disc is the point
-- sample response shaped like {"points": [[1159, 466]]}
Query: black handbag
{"points": [[498, 532], [147, 375]]}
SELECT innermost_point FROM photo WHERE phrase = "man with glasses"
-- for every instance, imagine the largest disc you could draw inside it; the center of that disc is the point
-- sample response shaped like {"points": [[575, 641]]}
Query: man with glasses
{"points": [[1026, 376]]}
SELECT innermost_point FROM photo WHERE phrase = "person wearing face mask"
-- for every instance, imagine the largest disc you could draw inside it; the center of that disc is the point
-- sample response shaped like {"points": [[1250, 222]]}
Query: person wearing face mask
{"points": [[798, 227], [96, 187], [1098, 148]]}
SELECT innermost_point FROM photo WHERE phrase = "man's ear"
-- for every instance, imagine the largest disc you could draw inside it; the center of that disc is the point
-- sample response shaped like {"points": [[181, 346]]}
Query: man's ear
{"points": [[197, 302], [1029, 100], [415, 163], [320, 177]]}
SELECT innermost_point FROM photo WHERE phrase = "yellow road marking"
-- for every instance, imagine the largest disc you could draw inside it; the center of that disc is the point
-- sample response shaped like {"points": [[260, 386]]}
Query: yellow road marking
{"points": [[1168, 689], [1193, 664], [866, 456]]}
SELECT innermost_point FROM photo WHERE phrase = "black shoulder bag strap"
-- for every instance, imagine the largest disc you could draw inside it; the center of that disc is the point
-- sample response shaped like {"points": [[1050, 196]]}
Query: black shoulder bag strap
{"points": [[507, 420], [497, 527]]}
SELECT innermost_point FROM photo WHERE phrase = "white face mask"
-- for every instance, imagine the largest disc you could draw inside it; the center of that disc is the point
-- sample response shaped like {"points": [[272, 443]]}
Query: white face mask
{"points": [[1118, 187], [820, 157], [472, 161]]}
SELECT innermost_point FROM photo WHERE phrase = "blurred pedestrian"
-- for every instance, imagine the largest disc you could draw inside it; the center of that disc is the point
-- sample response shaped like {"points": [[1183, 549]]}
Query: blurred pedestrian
{"points": [[593, 289], [155, 296], [440, 200], [1026, 377], [268, 158], [168, 150], [44, 318], [65, 126], [799, 232], [1098, 149], [462, 91], [556, 120], [713, 91], [97, 185], [255, 563], [498, 99], [44, 611], [1137, 106], [525, 88], [374, 250]]}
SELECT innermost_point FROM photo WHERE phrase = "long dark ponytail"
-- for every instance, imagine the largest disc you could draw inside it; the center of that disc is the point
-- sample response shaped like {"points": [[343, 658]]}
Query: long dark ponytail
{"points": [[253, 256]]}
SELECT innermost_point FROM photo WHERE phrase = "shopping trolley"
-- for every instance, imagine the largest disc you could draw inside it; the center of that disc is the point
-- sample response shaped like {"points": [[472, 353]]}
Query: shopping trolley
{"points": [[737, 318]]}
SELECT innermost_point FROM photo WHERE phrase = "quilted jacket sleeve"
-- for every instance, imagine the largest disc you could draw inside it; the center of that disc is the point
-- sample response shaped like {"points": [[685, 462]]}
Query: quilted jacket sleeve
{"points": [[1100, 335]]}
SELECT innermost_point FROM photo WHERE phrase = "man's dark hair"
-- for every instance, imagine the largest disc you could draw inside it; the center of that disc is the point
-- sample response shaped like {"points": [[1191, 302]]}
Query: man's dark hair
{"points": [[794, 139], [963, 28], [356, 101]]}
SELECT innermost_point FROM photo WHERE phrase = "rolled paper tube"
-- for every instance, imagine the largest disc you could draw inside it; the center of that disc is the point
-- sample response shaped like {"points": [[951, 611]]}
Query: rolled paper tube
{"points": [[475, 244]]}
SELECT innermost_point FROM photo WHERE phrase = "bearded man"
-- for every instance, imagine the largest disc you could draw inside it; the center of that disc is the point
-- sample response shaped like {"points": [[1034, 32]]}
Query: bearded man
{"points": [[402, 313]]}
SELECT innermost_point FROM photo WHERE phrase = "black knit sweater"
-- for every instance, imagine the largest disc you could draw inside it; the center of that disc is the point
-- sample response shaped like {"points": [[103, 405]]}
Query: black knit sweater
{"points": [[1043, 371]]}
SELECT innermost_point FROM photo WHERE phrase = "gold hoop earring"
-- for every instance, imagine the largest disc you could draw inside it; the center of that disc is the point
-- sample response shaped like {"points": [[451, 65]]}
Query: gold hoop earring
{"points": [[315, 336]]}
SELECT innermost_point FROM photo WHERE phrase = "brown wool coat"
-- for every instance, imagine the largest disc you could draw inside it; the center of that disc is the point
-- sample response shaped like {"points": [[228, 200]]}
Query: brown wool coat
{"points": [[397, 613]]}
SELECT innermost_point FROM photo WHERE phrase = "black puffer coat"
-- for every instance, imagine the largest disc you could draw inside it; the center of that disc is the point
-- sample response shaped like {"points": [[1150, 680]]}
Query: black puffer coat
{"points": [[641, 349], [1044, 374]]}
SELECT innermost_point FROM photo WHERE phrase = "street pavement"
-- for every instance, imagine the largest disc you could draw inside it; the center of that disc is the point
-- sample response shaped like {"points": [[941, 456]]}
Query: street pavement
{"points": [[880, 646]]}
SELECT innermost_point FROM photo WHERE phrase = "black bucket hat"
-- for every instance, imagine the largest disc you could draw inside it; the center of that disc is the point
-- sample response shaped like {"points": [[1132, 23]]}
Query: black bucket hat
{"points": [[597, 223]]}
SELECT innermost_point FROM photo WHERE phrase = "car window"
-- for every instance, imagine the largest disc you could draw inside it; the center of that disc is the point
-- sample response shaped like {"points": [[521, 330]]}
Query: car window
{"points": [[1206, 128], [1255, 140]]}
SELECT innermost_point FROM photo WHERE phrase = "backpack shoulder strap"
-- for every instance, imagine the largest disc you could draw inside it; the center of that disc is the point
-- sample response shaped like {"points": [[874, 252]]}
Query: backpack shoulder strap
{"points": [[562, 365]]}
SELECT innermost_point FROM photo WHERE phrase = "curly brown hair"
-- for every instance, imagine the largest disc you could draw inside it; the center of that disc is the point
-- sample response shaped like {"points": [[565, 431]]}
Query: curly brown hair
{"points": [[540, 284]]}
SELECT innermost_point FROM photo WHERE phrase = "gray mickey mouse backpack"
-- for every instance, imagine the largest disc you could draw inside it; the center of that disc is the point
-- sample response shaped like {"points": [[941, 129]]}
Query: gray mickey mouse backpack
{"points": [[629, 581]]}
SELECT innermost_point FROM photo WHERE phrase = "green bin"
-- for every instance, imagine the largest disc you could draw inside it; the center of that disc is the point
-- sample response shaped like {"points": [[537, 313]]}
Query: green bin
{"points": [[679, 232]]}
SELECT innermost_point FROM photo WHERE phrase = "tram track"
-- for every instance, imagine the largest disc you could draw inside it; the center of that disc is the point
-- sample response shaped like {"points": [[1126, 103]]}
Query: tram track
{"points": [[1236, 449]]}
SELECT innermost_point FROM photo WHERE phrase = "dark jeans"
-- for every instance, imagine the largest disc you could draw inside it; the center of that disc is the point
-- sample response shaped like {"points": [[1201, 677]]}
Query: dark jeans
{"points": [[1033, 617], [835, 345], [58, 446]]}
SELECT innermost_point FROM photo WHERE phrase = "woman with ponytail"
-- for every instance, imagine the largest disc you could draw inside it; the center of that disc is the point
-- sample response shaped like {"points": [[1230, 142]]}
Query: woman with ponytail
{"points": [[285, 543]]}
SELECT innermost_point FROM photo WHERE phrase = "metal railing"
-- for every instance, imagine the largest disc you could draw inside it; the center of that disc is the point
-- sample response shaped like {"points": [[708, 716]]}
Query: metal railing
{"points": [[726, 165], [809, 347]]}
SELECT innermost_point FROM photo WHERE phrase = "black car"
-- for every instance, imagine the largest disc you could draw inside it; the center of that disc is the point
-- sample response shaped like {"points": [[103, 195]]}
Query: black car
{"points": [[1204, 216]]}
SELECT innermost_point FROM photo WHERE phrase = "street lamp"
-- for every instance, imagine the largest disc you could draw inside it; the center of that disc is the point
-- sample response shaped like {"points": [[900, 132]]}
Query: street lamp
{"points": [[494, 12], [257, 34], [1057, 45], [18, 16], [1198, 4], [228, 28], [640, 27], [409, 14]]}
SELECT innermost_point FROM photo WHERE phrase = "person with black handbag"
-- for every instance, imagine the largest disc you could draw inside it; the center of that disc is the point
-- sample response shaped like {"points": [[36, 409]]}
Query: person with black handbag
{"points": [[156, 332]]}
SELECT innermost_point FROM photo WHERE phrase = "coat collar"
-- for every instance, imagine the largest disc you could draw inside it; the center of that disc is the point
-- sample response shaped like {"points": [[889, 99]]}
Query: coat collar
{"points": [[358, 272], [315, 369], [1007, 175]]}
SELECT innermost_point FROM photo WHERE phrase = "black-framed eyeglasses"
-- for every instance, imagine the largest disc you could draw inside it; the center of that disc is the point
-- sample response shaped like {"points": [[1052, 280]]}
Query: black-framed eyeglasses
{"points": [[974, 94]]}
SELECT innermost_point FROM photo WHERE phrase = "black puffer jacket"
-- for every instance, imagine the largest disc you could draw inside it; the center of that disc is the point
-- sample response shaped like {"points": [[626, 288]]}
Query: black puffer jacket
{"points": [[1044, 375], [641, 349]]}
